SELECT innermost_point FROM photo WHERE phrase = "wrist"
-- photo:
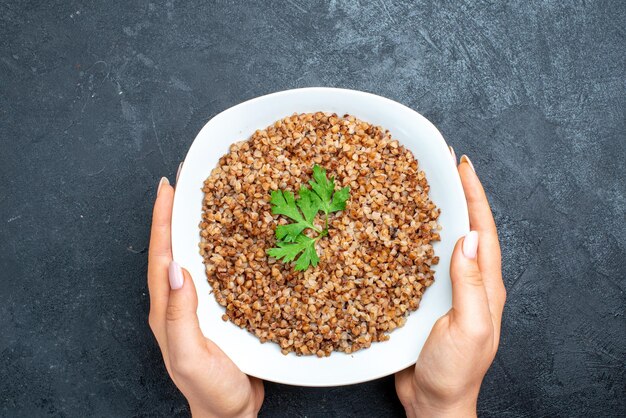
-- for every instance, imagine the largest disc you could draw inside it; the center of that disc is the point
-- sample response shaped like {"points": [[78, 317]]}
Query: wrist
{"points": [[203, 413], [433, 406], [433, 410]]}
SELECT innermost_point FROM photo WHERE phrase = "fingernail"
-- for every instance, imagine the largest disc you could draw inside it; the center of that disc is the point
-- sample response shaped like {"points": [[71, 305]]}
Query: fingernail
{"points": [[452, 153], [180, 166], [465, 159], [163, 181], [176, 276], [470, 245]]}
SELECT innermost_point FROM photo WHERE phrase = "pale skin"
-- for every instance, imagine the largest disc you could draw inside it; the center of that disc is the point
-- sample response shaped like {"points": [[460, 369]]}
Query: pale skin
{"points": [[212, 384], [446, 378]]}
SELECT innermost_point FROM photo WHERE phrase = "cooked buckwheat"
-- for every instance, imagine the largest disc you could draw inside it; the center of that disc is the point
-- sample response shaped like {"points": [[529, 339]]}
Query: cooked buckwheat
{"points": [[375, 264]]}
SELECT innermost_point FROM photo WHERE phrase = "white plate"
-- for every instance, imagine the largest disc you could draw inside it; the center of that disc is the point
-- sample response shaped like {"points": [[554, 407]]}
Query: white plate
{"points": [[265, 361]]}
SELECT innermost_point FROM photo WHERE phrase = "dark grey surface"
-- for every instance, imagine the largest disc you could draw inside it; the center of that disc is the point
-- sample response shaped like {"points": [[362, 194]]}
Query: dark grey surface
{"points": [[99, 100]]}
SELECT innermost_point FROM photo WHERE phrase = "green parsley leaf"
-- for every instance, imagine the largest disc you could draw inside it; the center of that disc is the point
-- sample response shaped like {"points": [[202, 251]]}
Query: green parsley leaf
{"points": [[284, 203], [309, 257], [309, 203], [288, 251], [339, 199], [289, 232], [325, 189]]}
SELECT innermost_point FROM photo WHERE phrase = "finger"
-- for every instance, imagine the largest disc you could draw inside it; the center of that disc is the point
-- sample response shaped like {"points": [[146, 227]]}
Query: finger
{"points": [[481, 220], [469, 299], [186, 344], [159, 257]]}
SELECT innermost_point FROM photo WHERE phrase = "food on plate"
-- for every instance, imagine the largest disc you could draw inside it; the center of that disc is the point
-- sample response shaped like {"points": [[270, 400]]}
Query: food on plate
{"points": [[317, 234]]}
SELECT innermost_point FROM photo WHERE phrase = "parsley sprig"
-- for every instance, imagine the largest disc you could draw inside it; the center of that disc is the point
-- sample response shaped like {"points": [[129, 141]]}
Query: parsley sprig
{"points": [[291, 240]]}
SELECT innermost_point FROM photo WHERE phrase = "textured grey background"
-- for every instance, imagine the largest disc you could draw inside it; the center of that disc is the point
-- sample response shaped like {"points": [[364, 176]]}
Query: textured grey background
{"points": [[98, 100]]}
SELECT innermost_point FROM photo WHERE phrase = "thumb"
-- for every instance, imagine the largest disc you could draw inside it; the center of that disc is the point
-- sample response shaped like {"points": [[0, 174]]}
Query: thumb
{"points": [[184, 338], [469, 298]]}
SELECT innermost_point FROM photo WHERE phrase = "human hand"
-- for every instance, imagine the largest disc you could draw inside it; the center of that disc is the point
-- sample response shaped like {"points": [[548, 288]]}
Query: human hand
{"points": [[446, 379], [211, 382]]}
